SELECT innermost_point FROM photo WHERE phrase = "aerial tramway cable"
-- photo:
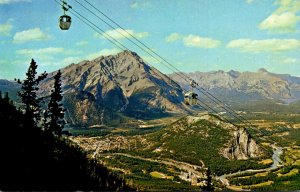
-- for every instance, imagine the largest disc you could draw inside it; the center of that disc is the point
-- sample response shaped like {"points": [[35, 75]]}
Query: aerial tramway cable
{"points": [[175, 70], [182, 75], [148, 49], [114, 41], [123, 47]]}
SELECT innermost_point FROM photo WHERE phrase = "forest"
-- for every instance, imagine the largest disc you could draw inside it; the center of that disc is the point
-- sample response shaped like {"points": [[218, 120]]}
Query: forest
{"points": [[35, 155]]}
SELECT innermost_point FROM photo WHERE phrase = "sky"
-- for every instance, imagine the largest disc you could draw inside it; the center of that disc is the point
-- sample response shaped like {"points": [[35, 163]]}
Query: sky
{"points": [[192, 35]]}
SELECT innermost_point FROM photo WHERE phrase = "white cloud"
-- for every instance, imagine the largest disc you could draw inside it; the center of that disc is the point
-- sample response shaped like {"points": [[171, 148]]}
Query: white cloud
{"points": [[121, 34], [173, 37], [249, 1], [43, 51], [30, 35], [2, 61], [289, 61], [284, 19], [267, 45], [82, 43], [194, 40], [13, 1], [288, 5], [5, 28], [140, 4], [69, 60], [64, 62], [48, 56], [200, 42], [103, 52], [45, 54], [281, 23]]}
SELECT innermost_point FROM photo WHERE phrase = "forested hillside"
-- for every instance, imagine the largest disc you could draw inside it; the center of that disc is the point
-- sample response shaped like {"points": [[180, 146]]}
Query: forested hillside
{"points": [[34, 153]]}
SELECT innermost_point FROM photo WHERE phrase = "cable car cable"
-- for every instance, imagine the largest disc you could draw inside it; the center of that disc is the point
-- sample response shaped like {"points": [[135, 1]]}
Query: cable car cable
{"points": [[179, 74], [207, 107], [125, 31], [209, 96], [96, 28], [237, 117], [143, 44], [88, 23]]}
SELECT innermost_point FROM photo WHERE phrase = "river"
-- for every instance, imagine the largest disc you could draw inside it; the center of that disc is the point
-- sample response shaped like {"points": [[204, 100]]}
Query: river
{"points": [[277, 151]]}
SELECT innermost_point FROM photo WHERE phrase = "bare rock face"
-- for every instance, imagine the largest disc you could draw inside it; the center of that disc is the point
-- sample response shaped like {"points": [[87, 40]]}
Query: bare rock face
{"points": [[242, 86], [242, 146], [120, 83]]}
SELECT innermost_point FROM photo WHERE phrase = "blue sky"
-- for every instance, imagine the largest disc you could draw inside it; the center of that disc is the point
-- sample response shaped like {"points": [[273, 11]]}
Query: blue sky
{"points": [[193, 35]]}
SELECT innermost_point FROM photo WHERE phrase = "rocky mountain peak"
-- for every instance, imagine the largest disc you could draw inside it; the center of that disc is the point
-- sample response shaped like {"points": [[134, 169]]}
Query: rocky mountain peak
{"points": [[233, 73], [128, 53], [262, 70], [122, 83], [242, 86]]}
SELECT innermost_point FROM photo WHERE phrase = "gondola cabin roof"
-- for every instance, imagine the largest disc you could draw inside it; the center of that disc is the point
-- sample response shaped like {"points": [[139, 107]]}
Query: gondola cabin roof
{"points": [[65, 22], [191, 94]]}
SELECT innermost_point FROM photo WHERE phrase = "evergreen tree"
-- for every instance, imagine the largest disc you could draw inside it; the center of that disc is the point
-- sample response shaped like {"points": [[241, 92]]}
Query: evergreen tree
{"points": [[28, 93], [208, 181], [55, 108], [6, 98]]}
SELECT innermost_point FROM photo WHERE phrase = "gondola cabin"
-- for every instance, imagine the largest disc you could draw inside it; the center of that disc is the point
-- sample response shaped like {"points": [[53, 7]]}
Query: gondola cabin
{"points": [[64, 22], [190, 98]]}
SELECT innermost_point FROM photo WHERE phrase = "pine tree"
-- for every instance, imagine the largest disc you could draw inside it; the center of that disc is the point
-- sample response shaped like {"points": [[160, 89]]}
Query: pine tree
{"points": [[28, 93], [6, 97], [55, 108], [208, 181]]}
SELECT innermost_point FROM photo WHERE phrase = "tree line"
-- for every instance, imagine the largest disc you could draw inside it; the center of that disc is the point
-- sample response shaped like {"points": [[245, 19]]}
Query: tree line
{"points": [[34, 153]]}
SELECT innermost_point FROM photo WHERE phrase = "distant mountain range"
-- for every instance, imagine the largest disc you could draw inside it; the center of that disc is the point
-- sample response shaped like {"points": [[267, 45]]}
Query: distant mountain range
{"points": [[244, 86], [105, 90], [10, 87]]}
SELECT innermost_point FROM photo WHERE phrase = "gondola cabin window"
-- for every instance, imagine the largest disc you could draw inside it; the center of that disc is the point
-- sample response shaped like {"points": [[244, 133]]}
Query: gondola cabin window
{"points": [[190, 98], [65, 22]]}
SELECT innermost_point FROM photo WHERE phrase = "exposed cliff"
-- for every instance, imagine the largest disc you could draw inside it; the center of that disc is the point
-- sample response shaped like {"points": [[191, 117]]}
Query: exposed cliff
{"points": [[122, 83], [242, 146]]}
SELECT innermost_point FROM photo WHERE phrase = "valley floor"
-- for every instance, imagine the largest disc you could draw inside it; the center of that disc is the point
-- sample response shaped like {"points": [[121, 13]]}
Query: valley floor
{"points": [[145, 172]]}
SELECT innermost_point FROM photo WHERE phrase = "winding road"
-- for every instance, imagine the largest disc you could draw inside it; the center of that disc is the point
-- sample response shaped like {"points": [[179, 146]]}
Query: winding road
{"points": [[190, 168], [180, 165], [277, 151]]}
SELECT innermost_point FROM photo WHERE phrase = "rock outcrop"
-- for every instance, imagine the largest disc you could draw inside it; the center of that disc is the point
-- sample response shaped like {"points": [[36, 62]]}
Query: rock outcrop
{"points": [[242, 146], [204, 136]]}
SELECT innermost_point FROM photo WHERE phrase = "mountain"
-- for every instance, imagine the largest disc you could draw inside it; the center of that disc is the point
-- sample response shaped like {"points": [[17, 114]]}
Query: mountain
{"points": [[242, 86], [96, 91], [10, 87]]}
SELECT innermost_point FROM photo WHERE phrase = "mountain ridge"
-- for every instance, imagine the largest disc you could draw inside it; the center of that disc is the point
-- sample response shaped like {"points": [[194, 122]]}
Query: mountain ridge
{"points": [[246, 85], [121, 83], [125, 84]]}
